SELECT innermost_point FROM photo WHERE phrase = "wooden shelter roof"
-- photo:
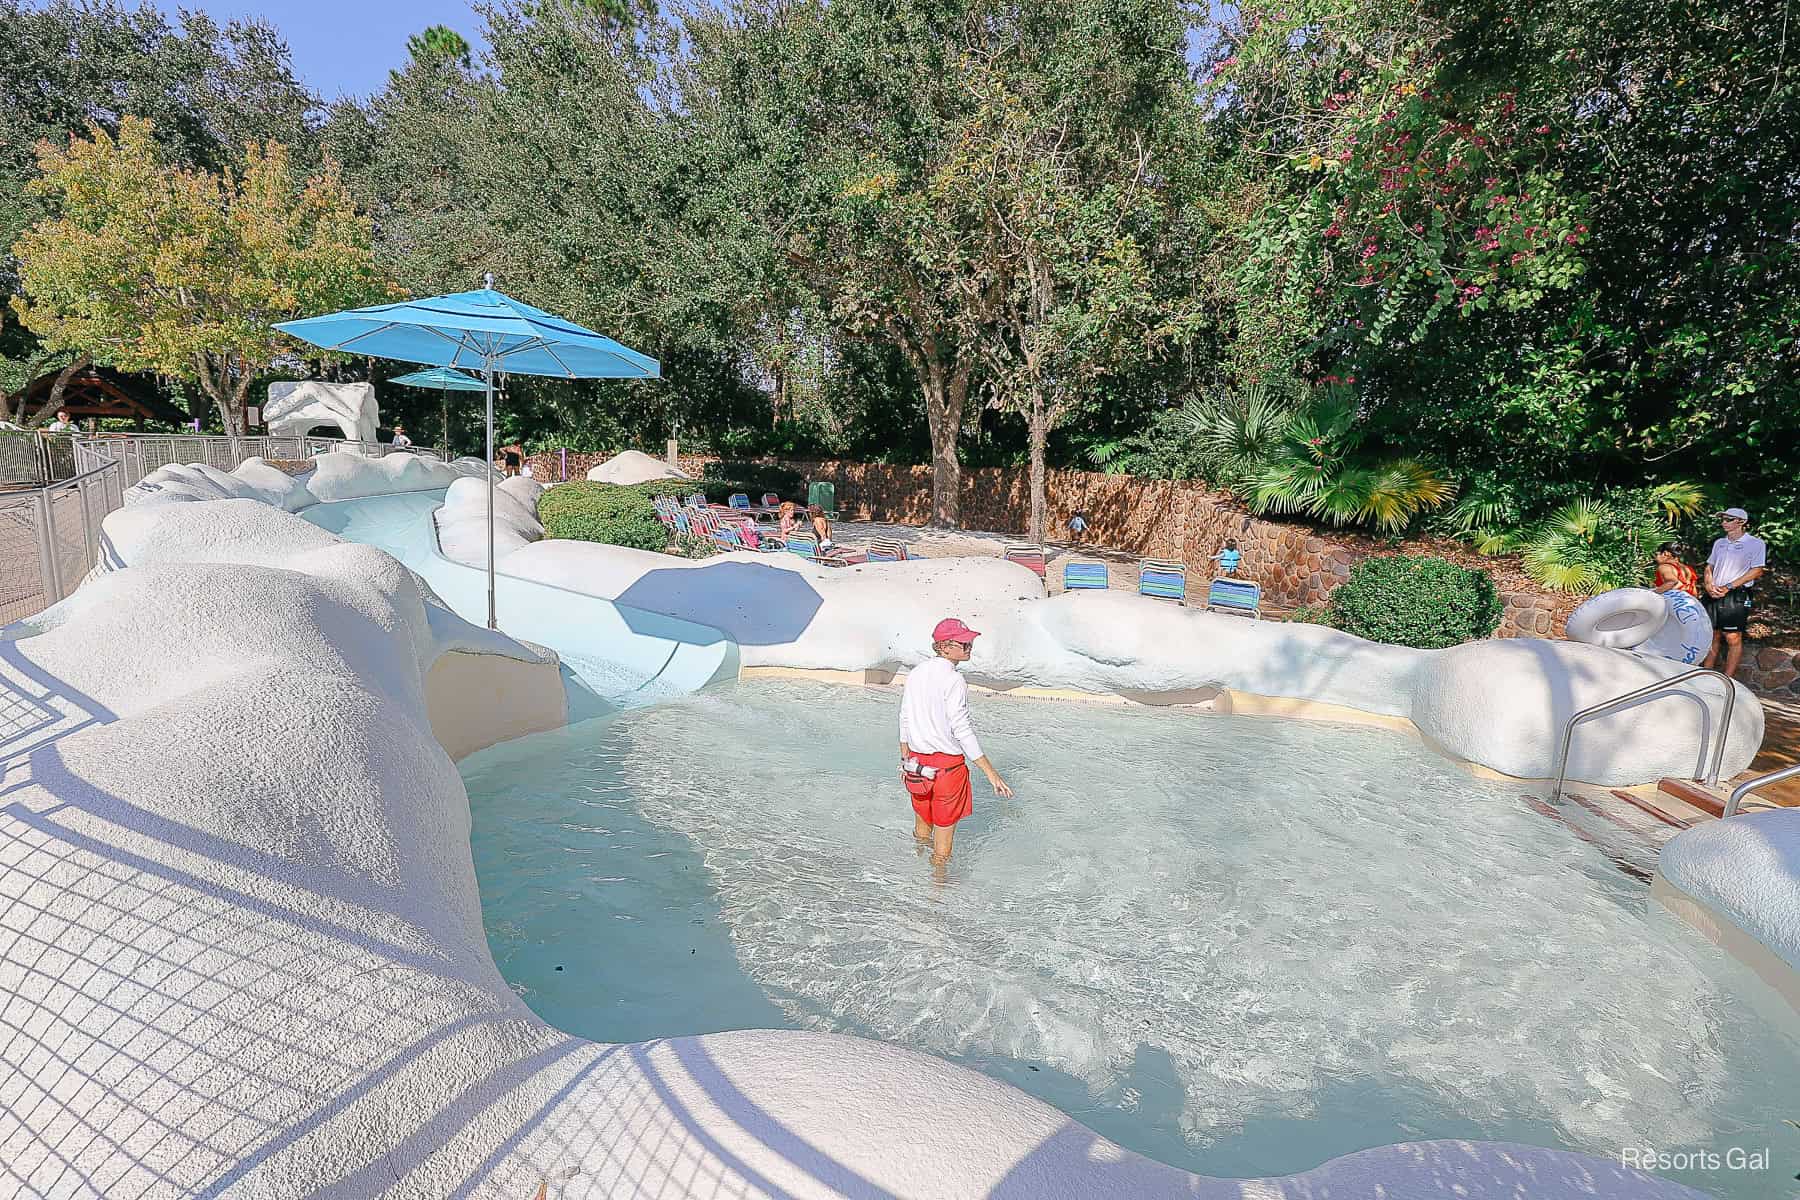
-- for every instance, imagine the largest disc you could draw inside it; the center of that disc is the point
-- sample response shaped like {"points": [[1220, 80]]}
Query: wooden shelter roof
{"points": [[105, 393]]}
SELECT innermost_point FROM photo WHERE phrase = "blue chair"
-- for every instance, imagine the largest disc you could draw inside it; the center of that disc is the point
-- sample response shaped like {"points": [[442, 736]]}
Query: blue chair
{"points": [[1235, 595], [805, 545], [1085, 577], [739, 501], [1162, 580], [697, 500]]}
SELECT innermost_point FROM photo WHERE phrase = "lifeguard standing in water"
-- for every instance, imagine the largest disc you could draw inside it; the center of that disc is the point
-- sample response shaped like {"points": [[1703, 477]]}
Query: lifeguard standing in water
{"points": [[937, 741]]}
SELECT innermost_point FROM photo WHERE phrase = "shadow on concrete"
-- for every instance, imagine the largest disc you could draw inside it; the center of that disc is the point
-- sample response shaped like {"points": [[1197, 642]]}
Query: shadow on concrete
{"points": [[752, 603]]}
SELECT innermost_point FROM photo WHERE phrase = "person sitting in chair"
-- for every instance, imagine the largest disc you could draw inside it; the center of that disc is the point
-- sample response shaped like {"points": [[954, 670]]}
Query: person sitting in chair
{"points": [[821, 528]]}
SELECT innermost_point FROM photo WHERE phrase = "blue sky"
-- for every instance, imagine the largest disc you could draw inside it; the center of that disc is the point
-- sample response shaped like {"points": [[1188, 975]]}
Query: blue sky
{"points": [[344, 47]]}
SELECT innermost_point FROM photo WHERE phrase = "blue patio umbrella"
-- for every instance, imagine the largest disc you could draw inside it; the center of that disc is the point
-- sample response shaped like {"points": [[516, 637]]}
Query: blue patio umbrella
{"points": [[484, 331], [446, 381]]}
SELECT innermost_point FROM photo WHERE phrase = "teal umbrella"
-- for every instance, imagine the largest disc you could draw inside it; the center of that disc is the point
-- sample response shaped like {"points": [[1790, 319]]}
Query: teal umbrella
{"points": [[482, 330], [446, 381]]}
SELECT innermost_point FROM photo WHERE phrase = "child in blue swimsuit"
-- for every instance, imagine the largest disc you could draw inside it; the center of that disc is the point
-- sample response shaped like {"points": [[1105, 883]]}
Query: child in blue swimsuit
{"points": [[1228, 558]]}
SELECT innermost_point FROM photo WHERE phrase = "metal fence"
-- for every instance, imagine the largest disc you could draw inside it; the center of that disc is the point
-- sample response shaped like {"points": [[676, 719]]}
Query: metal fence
{"points": [[34, 456], [50, 538], [140, 454]]}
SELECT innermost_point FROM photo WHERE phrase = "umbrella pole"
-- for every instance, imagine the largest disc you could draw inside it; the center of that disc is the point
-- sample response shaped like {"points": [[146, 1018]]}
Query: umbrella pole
{"points": [[487, 372]]}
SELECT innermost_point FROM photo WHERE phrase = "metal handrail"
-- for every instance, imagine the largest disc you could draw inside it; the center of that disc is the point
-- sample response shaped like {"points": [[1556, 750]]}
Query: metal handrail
{"points": [[1755, 785], [1606, 706]]}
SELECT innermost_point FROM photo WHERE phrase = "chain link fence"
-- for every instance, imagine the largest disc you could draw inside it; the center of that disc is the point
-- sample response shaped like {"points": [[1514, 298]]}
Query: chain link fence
{"points": [[50, 538]]}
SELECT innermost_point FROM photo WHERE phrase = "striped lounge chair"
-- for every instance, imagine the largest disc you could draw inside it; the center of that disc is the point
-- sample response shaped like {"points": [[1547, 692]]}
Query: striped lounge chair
{"points": [[805, 545], [1235, 595], [1162, 580], [1032, 559], [1084, 577], [886, 550], [739, 501], [771, 500]]}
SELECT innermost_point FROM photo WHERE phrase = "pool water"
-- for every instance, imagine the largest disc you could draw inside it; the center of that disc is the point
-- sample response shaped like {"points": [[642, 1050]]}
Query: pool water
{"points": [[1240, 945]]}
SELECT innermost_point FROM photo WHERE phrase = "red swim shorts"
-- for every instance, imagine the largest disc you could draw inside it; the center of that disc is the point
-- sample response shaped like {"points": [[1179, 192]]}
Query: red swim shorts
{"points": [[951, 797]]}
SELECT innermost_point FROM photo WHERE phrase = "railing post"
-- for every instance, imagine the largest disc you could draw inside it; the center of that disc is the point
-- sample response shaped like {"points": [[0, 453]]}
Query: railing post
{"points": [[90, 542], [46, 539]]}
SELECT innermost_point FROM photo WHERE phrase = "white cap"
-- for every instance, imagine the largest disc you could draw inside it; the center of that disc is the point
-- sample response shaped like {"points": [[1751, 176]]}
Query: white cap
{"points": [[1739, 513]]}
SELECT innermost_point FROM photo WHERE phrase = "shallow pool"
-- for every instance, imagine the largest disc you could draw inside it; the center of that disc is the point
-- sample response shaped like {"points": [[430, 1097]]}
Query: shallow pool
{"points": [[1241, 945]]}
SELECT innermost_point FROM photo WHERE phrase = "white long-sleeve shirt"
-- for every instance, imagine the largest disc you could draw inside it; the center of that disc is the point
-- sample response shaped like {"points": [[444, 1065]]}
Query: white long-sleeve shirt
{"points": [[934, 711]]}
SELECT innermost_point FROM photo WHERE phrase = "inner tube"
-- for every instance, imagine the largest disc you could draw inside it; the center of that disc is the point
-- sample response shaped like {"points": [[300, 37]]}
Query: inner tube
{"points": [[1685, 636], [1624, 618]]}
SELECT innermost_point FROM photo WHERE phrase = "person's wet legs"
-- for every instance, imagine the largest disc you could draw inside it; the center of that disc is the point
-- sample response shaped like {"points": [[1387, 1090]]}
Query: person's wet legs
{"points": [[941, 838], [921, 829]]}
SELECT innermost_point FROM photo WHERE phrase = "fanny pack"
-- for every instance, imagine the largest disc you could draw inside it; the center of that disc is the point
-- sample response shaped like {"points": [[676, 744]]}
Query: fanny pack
{"points": [[919, 780]]}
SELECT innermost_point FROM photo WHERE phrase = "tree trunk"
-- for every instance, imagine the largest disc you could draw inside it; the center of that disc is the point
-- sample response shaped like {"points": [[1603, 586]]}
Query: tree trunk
{"points": [[56, 390], [1038, 425], [237, 421], [944, 400]]}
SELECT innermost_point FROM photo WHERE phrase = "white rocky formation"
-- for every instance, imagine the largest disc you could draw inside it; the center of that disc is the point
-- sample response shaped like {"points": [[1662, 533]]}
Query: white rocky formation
{"points": [[1500, 703], [253, 480], [462, 525], [633, 466], [1739, 881], [296, 407], [242, 951]]}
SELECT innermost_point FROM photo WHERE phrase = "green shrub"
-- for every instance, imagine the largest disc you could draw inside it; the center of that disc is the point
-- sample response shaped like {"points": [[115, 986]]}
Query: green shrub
{"points": [[753, 479], [694, 546], [1416, 601], [602, 512], [1310, 614]]}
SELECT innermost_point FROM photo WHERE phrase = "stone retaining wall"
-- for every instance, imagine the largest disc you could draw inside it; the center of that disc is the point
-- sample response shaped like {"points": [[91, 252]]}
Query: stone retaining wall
{"points": [[1157, 518], [1771, 669]]}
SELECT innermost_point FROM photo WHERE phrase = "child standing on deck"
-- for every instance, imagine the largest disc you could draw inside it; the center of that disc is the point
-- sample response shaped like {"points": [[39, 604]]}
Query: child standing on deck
{"points": [[1228, 558]]}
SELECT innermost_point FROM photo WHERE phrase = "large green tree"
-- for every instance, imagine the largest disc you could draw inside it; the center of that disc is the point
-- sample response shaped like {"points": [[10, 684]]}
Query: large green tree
{"points": [[208, 90], [149, 266], [1554, 245], [1068, 177]]}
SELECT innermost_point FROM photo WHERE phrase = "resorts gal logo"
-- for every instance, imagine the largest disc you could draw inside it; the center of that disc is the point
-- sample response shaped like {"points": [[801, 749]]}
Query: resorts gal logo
{"points": [[1732, 1158]]}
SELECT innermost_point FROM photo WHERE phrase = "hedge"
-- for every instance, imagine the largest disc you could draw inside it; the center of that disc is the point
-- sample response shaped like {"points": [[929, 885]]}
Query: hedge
{"points": [[753, 479], [1424, 602], [602, 512]]}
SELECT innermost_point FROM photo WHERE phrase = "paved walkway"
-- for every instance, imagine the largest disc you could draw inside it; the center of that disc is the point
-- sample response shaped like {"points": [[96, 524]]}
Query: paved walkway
{"points": [[1121, 568], [1780, 748]]}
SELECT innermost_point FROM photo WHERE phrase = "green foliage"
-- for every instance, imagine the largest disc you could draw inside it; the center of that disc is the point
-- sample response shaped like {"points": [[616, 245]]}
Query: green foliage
{"points": [[694, 546], [754, 479], [184, 271], [1407, 600], [1310, 614], [1592, 544], [601, 512], [439, 45]]}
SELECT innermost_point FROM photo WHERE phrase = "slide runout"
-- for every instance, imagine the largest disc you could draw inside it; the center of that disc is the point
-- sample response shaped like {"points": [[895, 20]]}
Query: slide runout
{"points": [[613, 655]]}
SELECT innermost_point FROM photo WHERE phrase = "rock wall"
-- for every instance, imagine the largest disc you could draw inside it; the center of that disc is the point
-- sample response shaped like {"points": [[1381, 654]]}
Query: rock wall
{"points": [[1771, 669]]}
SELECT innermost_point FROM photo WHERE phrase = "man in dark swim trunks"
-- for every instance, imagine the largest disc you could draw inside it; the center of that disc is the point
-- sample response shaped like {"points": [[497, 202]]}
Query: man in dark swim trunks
{"points": [[1736, 563]]}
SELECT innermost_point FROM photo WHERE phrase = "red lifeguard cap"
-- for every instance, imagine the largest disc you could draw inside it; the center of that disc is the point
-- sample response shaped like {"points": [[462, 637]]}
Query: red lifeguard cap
{"points": [[952, 630]]}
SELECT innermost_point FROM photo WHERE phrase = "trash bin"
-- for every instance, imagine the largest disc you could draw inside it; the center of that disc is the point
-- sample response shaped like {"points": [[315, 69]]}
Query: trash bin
{"points": [[824, 495]]}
